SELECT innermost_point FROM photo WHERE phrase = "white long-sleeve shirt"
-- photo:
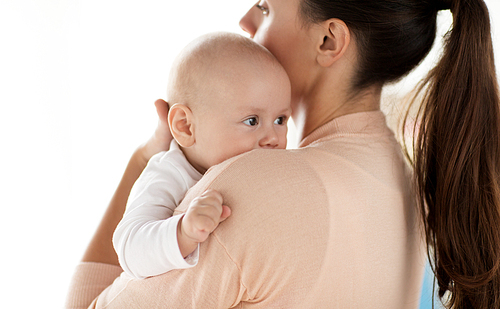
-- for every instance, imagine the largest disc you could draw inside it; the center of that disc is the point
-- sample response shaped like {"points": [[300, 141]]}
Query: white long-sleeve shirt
{"points": [[146, 238]]}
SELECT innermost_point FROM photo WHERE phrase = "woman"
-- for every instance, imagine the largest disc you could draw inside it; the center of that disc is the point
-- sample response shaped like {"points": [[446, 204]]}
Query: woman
{"points": [[333, 224]]}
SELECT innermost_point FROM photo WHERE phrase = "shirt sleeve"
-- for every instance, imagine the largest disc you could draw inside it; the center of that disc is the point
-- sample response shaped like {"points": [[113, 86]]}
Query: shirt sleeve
{"points": [[145, 240], [88, 281]]}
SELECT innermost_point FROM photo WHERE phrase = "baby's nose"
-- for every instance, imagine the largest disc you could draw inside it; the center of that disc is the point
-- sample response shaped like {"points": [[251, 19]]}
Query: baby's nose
{"points": [[271, 140]]}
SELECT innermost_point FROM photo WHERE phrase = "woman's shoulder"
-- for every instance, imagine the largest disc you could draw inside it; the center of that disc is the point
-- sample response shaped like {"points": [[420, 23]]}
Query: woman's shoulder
{"points": [[256, 173], [261, 165], [258, 159]]}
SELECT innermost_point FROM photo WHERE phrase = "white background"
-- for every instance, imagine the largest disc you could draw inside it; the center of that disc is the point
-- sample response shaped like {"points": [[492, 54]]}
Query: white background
{"points": [[77, 84]]}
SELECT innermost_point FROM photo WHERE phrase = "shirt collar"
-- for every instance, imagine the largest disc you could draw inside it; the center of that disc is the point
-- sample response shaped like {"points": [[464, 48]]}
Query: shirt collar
{"points": [[356, 123]]}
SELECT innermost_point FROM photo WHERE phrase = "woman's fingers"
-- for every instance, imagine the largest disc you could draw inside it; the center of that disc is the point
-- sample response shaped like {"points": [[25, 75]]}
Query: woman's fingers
{"points": [[160, 141], [162, 110]]}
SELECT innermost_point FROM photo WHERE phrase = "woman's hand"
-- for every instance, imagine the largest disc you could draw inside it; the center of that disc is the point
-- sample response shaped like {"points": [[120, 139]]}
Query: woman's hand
{"points": [[100, 248], [160, 141], [202, 217]]}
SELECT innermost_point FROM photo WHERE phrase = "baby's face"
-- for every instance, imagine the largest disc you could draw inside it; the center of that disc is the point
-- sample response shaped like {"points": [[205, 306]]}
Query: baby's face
{"points": [[252, 113]]}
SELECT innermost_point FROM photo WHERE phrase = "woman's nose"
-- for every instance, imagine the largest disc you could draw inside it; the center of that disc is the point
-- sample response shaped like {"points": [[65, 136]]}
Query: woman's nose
{"points": [[247, 22]]}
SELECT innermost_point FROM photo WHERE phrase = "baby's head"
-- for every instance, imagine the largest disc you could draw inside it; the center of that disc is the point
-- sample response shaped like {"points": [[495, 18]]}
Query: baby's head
{"points": [[227, 95]]}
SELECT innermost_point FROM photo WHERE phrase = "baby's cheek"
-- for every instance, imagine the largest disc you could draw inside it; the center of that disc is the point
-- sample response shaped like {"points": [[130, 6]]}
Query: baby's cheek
{"points": [[283, 141], [223, 157], [233, 152]]}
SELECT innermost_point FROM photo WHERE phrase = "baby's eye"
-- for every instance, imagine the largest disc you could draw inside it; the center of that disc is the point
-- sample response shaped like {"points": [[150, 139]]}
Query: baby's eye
{"points": [[252, 121], [281, 120], [265, 11]]}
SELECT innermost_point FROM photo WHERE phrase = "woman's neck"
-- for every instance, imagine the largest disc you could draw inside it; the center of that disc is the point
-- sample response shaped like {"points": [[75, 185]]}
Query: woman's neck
{"points": [[313, 111]]}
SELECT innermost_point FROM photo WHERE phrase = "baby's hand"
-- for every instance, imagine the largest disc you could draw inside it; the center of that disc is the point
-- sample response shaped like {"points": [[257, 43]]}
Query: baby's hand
{"points": [[202, 217]]}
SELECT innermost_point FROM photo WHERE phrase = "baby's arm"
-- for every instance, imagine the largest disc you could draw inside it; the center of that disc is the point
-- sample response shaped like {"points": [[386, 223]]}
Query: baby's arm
{"points": [[145, 239], [202, 217]]}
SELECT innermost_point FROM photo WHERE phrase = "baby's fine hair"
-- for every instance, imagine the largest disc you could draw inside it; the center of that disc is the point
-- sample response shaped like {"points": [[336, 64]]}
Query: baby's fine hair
{"points": [[215, 57]]}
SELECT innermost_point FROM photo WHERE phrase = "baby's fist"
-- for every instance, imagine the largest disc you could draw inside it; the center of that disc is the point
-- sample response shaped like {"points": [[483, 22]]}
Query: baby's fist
{"points": [[202, 217]]}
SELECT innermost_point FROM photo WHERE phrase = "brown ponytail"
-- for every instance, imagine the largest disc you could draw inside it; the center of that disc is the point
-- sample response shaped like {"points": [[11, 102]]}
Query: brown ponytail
{"points": [[457, 148], [457, 162]]}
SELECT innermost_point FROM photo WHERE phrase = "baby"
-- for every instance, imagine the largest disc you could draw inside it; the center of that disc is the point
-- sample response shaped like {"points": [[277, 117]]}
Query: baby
{"points": [[227, 95]]}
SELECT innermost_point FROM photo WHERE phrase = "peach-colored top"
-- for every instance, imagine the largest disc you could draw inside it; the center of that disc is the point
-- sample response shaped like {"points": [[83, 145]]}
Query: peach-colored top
{"points": [[329, 225]]}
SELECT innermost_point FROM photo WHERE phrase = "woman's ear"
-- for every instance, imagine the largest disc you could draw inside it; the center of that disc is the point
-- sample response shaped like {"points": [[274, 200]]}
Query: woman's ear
{"points": [[335, 39], [180, 121]]}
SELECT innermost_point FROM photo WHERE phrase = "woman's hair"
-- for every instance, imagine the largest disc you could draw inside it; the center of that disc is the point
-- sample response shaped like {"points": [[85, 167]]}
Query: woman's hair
{"points": [[456, 153]]}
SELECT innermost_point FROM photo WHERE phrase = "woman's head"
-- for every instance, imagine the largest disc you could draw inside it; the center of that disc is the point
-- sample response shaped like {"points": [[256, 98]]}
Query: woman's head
{"points": [[276, 25], [392, 37]]}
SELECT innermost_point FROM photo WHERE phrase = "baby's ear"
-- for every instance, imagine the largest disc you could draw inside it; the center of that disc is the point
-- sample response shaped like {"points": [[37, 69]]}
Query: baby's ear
{"points": [[180, 121]]}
